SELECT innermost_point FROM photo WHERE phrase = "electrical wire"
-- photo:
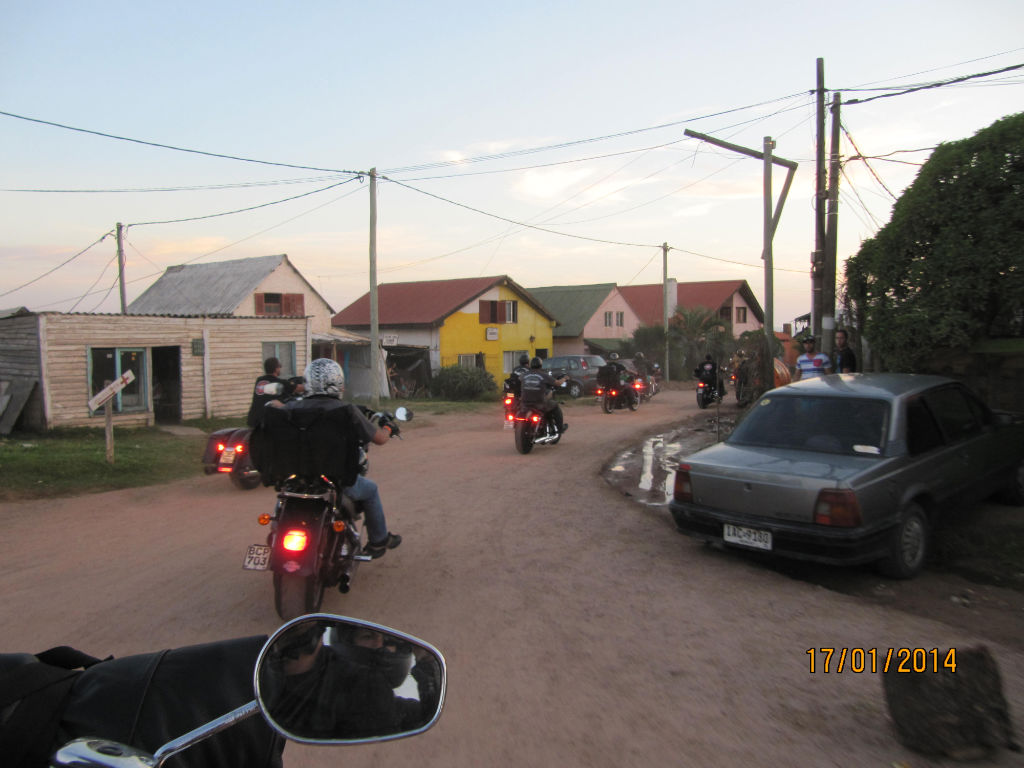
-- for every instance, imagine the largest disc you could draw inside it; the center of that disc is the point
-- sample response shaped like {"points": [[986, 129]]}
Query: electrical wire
{"points": [[866, 163], [63, 263], [98, 278], [938, 84], [198, 188]]}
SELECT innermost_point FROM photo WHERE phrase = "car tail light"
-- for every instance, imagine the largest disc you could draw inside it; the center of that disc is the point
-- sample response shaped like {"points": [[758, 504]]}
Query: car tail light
{"points": [[837, 508], [240, 448], [221, 447], [682, 490], [295, 540]]}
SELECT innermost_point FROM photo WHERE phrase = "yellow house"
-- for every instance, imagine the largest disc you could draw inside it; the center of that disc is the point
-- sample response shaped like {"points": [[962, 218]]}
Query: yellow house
{"points": [[480, 322]]}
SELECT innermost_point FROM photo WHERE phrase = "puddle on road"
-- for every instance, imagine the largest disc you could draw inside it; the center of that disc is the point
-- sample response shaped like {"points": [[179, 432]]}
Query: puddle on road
{"points": [[647, 471]]}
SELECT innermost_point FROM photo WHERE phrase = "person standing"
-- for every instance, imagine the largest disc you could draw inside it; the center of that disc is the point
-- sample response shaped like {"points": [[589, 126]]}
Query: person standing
{"points": [[811, 364], [269, 386], [843, 361]]}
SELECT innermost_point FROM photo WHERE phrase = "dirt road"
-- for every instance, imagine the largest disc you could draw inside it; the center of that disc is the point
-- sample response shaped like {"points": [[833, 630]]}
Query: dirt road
{"points": [[579, 628]]}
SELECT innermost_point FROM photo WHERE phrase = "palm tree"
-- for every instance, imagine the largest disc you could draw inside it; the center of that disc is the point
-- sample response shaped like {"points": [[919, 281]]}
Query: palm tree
{"points": [[699, 331]]}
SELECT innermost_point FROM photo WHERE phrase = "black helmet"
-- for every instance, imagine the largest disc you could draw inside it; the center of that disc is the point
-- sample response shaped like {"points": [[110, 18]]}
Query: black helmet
{"points": [[524, 359], [613, 356], [536, 363]]}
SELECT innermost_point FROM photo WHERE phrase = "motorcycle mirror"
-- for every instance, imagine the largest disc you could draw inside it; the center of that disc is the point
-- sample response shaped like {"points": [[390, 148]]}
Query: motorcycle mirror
{"points": [[324, 679], [403, 414]]}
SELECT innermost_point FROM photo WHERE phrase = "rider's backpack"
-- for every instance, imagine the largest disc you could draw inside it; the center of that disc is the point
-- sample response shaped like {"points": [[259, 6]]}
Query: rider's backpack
{"points": [[144, 701], [313, 437], [608, 375]]}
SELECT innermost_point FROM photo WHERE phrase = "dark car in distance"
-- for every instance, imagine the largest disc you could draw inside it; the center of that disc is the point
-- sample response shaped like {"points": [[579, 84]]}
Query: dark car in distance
{"points": [[581, 370], [851, 468]]}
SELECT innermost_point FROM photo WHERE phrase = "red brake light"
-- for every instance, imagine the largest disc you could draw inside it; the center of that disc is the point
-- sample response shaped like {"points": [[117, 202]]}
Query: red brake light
{"points": [[637, 385], [612, 392], [220, 447], [682, 489], [700, 385], [535, 418], [837, 508], [294, 541], [240, 448], [510, 417], [599, 391], [508, 401]]}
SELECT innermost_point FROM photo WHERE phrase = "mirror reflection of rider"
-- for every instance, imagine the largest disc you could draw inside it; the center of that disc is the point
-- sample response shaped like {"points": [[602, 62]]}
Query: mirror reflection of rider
{"points": [[538, 387], [346, 689]]}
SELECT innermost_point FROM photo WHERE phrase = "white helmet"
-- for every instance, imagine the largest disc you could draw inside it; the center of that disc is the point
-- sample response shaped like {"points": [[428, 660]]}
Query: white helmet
{"points": [[325, 377]]}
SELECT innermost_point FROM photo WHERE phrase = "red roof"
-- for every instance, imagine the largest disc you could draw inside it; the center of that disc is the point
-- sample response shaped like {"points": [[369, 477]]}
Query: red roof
{"points": [[427, 302], [646, 300]]}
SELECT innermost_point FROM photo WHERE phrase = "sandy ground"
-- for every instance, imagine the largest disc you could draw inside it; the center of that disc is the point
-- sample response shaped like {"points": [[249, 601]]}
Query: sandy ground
{"points": [[579, 628]]}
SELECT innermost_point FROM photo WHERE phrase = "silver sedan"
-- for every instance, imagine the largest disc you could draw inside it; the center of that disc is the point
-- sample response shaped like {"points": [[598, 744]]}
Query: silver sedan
{"points": [[851, 468]]}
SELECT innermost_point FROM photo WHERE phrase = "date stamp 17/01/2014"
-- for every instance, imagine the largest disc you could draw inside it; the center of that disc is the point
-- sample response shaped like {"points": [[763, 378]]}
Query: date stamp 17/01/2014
{"points": [[858, 660]]}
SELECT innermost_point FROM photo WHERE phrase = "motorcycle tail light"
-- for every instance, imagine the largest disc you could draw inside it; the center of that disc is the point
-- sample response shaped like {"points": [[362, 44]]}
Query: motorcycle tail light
{"points": [[612, 392], [701, 385], [638, 385], [295, 541], [508, 401], [263, 519], [837, 508], [510, 417], [223, 469], [599, 391], [339, 526], [682, 488], [240, 448], [535, 418]]}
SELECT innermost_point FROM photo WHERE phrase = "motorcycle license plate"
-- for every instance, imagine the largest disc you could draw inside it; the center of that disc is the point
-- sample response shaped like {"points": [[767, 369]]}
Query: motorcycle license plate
{"points": [[257, 558], [228, 457]]}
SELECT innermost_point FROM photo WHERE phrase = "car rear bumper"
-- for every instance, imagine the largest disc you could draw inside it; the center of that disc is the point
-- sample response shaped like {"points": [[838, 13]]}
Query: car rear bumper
{"points": [[800, 541]]}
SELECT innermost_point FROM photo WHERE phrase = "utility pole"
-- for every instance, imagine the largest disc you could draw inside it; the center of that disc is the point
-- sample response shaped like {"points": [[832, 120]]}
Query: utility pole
{"points": [[374, 326], [768, 371], [664, 301], [817, 258], [120, 266], [828, 315]]}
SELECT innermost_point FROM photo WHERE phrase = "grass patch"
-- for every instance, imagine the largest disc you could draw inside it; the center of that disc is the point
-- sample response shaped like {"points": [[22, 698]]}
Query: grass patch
{"points": [[66, 462]]}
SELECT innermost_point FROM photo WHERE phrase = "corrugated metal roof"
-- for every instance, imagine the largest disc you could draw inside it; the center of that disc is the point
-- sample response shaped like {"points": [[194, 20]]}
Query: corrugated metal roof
{"points": [[573, 305], [15, 312], [427, 302], [647, 301], [218, 288]]}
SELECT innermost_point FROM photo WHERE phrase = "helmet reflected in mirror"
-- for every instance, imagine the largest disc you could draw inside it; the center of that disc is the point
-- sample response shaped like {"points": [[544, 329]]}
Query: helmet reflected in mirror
{"points": [[403, 414], [324, 679]]}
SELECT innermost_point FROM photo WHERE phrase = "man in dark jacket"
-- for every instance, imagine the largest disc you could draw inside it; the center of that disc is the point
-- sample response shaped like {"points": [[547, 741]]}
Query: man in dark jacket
{"points": [[269, 386], [538, 387]]}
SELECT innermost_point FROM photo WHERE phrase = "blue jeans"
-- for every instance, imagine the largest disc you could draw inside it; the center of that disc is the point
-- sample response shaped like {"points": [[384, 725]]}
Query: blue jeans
{"points": [[365, 490]]}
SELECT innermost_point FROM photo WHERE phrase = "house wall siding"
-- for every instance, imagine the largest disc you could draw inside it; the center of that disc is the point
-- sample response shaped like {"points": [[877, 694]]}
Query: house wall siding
{"points": [[19, 359], [284, 279], [464, 334], [234, 351]]}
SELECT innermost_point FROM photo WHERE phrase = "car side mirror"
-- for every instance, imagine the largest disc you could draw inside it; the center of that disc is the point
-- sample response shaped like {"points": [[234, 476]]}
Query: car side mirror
{"points": [[326, 680]]}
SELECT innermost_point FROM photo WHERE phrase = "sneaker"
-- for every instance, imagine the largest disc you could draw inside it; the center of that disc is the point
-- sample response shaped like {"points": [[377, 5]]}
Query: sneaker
{"points": [[379, 550]]}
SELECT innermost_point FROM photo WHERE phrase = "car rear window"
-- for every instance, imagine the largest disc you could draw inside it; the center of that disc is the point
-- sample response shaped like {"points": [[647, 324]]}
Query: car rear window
{"points": [[840, 425]]}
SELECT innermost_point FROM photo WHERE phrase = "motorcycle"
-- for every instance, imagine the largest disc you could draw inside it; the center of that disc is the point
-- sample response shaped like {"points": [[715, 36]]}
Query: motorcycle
{"points": [[315, 541], [619, 396], [534, 427], [310, 711], [707, 393], [646, 387], [227, 451], [510, 401]]}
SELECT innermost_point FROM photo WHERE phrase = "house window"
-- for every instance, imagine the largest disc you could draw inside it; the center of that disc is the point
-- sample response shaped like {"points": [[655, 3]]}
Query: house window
{"points": [[499, 312], [107, 364], [283, 351], [467, 361], [510, 360], [280, 304], [620, 319], [741, 314], [607, 319], [725, 313]]}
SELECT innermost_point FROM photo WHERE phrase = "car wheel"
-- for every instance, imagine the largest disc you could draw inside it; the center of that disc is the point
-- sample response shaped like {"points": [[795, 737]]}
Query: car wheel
{"points": [[1013, 492], [908, 544], [575, 389]]}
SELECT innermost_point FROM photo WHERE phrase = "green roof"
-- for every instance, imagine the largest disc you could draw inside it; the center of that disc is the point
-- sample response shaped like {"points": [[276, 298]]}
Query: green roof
{"points": [[572, 305]]}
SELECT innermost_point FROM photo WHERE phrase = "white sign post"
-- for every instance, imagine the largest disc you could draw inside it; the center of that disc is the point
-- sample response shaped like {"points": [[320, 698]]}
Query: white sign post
{"points": [[103, 397]]}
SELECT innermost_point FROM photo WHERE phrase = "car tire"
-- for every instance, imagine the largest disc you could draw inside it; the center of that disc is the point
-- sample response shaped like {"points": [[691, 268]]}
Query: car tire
{"points": [[1013, 492], [575, 389], [909, 544]]}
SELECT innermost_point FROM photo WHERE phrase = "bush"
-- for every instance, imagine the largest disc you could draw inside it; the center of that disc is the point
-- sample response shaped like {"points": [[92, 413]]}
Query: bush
{"points": [[457, 383]]}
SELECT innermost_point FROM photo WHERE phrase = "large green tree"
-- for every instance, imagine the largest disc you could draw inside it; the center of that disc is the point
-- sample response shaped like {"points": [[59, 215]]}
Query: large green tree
{"points": [[948, 269], [699, 331]]}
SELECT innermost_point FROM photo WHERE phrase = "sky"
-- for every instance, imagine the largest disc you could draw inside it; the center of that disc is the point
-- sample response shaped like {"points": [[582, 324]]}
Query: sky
{"points": [[539, 140]]}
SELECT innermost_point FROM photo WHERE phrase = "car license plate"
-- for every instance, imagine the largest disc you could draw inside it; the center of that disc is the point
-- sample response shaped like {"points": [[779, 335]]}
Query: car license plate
{"points": [[228, 457], [257, 558], [747, 537]]}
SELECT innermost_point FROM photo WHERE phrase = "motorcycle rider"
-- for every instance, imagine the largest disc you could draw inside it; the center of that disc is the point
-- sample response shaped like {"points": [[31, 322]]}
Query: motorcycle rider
{"points": [[325, 385], [269, 386], [515, 379], [537, 389], [709, 373]]}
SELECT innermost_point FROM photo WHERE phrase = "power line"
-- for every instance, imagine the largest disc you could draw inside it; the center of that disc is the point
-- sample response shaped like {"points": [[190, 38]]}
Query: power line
{"points": [[63, 263], [866, 163], [197, 188], [938, 84]]}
